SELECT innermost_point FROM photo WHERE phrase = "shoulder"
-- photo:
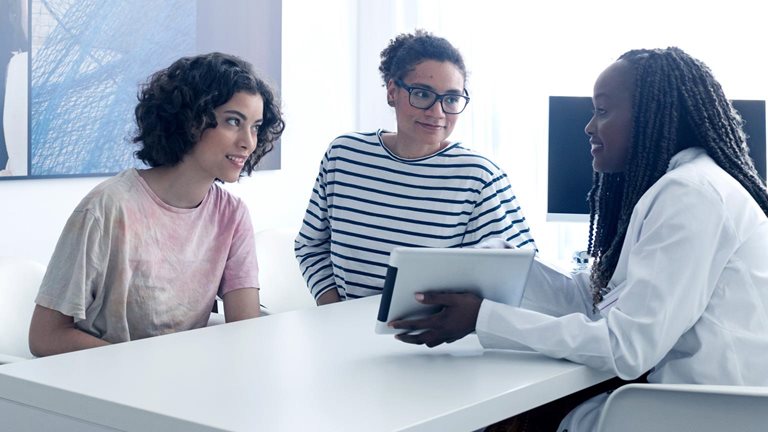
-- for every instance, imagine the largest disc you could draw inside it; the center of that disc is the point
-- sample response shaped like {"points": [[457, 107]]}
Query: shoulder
{"points": [[700, 176], [112, 193], [458, 155], [704, 177], [355, 142], [103, 205], [225, 203], [695, 189], [355, 150]]}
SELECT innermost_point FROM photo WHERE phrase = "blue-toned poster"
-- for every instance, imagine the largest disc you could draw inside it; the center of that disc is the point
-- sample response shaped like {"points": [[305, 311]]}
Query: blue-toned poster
{"points": [[14, 48], [82, 64]]}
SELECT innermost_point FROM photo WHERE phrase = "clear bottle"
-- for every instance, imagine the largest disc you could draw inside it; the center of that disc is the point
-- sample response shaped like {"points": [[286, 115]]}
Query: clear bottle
{"points": [[580, 261]]}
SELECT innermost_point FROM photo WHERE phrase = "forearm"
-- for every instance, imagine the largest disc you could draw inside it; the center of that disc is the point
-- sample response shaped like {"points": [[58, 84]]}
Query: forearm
{"points": [[314, 257], [52, 332], [573, 337], [328, 297], [552, 291], [61, 341], [241, 304], [313, 244]]}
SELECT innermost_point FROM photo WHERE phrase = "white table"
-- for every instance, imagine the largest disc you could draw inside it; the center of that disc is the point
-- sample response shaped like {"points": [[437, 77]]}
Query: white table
{"points": [[320, 369]]}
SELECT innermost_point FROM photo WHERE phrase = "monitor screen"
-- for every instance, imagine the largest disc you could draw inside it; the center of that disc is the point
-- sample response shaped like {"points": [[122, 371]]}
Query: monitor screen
{"points": [[570, 162]]}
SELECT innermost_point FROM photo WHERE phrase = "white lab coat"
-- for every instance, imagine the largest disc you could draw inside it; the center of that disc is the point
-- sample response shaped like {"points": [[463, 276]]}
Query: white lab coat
{"points": [[689, 299]]}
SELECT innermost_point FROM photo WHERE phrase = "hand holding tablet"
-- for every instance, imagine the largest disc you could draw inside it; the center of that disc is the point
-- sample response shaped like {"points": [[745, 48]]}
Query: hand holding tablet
{"points": [[495, 274]]}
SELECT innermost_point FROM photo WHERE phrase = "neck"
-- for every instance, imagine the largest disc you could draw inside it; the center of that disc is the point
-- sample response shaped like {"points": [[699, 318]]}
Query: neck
{"points": [[176, 187], [409, 149]]}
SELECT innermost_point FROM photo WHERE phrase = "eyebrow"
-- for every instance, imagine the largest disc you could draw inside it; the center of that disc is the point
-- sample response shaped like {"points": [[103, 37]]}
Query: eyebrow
{"points": [[602, 97], [429, 87], [242, 116], [237, 113]]}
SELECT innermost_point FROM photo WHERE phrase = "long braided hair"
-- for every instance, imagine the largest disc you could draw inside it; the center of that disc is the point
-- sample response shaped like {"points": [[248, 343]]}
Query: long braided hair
{"points": [[677, 104]]}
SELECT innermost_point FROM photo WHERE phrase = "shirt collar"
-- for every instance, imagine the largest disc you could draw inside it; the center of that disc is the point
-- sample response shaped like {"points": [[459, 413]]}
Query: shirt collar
{"points": [[685, 156]]}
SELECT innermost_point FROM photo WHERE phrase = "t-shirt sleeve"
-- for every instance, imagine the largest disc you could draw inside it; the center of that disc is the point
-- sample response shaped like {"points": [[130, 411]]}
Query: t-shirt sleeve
{"points": [[241, 269], [71, 280]]}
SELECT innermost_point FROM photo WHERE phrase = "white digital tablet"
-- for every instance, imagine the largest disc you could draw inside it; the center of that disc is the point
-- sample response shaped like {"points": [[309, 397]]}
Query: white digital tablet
{"points": [[495, 274]]}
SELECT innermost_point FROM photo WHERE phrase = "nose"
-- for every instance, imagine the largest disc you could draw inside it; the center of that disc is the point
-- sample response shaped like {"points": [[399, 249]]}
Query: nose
{"points": [[436, 110], [589, 129], [248, 140]]}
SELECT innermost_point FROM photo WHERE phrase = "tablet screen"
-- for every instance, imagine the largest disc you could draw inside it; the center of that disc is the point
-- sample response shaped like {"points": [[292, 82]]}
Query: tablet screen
{"points": [[495, 274]]}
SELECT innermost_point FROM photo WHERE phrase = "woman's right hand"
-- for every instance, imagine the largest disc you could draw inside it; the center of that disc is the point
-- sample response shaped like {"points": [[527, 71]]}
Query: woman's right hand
{"points": [[494, 243]]}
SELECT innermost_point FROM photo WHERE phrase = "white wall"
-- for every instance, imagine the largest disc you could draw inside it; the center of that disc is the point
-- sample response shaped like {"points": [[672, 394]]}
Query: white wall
{"points": [[519, 53], [32, 213], [523, 51], [319, 100]]}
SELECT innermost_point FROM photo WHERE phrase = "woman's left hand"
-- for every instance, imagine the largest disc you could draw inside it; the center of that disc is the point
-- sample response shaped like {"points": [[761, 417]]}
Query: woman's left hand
{"points": [[456, 320]]}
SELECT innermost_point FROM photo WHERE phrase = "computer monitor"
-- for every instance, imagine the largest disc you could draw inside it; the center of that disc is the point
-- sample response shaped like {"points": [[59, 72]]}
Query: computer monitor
{"points": [[570, 162]]}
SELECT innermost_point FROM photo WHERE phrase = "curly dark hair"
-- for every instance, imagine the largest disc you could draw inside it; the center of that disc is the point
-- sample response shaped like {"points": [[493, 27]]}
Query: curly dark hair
{"points": [[176, 105], [677, 104], [408, 50]]}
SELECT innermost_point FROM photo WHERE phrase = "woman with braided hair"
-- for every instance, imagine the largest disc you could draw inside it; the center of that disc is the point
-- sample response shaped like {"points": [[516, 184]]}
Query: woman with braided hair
{"points": [[678, 233], [681, 109]]}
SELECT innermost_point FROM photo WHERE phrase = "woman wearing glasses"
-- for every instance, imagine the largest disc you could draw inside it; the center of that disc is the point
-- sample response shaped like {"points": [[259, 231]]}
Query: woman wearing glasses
{"points": [[411, 187]]}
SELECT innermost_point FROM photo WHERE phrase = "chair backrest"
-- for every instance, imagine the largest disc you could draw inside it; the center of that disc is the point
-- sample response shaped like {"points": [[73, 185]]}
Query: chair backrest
{"points": [[685, 407], [282, 286], [19, 282]]}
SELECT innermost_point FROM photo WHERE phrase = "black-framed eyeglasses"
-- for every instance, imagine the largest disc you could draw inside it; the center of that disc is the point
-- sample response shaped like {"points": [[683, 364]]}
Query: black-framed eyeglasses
{"points": [[422, 98]]}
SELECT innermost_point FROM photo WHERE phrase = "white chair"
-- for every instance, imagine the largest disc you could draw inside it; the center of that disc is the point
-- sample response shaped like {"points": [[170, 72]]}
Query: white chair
{"points": [[19, 281], [282, 286], [685, 407]]}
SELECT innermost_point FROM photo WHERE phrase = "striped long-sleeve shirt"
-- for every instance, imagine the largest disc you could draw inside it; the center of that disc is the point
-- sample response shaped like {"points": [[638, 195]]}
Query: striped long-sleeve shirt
{"points": [[367, 200]]}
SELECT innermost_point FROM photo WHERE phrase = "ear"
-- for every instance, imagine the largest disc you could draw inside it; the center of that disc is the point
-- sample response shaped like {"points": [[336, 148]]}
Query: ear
{"points": [[391, 90]]}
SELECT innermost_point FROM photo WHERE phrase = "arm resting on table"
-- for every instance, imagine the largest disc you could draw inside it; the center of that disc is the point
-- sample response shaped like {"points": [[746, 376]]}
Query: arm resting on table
{"points": [[241, 304], [51, 332], [328, 297]]}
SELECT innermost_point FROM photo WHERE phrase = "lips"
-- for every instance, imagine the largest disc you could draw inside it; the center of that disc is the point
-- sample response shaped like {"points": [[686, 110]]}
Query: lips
{"points": [[237, 159], [596, 146], [430, 126]]}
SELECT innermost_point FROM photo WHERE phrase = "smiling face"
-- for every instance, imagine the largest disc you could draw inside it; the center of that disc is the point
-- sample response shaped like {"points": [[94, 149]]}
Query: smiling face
{"points": [[222, 151], [610, 129], [432, 126]]}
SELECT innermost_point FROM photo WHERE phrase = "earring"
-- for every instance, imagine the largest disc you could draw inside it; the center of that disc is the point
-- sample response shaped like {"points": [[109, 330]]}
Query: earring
{"points": [[391, 102]]}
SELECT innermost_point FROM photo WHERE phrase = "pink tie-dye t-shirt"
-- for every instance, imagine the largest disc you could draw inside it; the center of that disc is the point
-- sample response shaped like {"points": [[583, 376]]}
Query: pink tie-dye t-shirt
{"points": [[128, 266]]}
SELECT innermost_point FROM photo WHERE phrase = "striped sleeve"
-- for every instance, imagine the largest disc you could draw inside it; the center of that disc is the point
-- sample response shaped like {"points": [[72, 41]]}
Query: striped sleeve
{"points": [[497, 214], [313, 243]]}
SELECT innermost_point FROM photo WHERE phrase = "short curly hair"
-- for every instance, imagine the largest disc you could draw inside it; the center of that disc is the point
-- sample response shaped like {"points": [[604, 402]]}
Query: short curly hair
{"points": [[176, 105], [408, 50]]}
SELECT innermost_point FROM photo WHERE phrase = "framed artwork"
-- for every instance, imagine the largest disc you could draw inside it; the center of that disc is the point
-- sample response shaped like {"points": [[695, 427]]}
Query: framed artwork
{"points": [[73, 69]]}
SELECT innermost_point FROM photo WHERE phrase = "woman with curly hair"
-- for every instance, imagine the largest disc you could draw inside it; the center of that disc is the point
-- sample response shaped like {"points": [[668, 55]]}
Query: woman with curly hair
{"points": [[679, 229], [146, 252]]}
